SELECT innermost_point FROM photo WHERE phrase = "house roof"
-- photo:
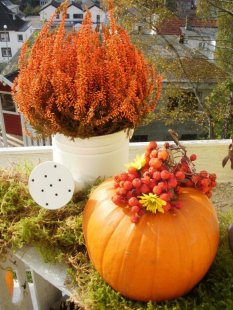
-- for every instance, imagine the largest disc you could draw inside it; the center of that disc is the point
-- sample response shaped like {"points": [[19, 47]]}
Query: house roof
{"points": [[51, 2], [11, 20], [84, 6], [11, 76], [169, 54], [173, 26], [205, 71], [12, 66], [170, 27], [7, 2], [90, 4], [77, 5]]}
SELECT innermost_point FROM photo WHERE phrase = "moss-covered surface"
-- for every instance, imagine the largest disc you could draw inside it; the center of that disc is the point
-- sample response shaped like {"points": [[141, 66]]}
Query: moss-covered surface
{"points": [[58, 237]]}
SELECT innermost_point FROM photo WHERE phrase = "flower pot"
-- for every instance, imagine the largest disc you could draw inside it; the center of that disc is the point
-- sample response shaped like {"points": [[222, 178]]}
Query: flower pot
{"points": [[88, 159]]}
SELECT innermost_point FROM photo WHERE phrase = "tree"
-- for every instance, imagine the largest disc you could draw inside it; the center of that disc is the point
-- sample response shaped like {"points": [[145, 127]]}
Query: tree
{"points": [[28, 7], [222, 93], [180, 61], [223, 11], [31, 11]]}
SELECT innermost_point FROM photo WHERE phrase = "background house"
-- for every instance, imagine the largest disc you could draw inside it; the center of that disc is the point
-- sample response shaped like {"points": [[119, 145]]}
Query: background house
{"points": [[75, 12], [14, 30], [10, 119], [180, 89], [14, 8], [183, 51], [185, 7], [197, 34]]}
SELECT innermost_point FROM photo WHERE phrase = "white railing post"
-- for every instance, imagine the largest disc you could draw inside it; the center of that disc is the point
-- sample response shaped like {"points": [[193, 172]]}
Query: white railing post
{"points": [[23, 131], [46, 294], [42, 294], [24, 299], [32, 139], [5, 299], [2, 125]]}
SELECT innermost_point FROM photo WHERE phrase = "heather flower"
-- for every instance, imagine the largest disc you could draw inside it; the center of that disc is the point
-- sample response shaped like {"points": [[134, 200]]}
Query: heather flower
{"points": [[84, 83]]}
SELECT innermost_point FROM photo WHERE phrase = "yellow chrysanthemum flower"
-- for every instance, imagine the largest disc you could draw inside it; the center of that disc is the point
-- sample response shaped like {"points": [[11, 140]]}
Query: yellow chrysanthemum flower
{"points": [[152, 203], [138, 162]]}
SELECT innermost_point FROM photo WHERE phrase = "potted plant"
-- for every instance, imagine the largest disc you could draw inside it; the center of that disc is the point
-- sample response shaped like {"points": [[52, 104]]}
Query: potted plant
{"points": [[85, 88]]}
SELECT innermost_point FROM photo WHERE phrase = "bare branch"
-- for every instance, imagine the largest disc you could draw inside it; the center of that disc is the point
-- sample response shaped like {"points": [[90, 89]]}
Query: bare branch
{"points": [[174, 136], [222, 9]]}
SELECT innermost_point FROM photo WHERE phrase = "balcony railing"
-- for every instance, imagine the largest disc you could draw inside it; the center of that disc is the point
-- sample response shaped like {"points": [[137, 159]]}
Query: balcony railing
{"points": [[42, 292], [209, 152]]}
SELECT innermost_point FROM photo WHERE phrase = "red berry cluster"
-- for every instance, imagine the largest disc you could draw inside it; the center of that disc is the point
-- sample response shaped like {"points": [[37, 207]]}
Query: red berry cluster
{"points": [[203, 181], [161, 175]]}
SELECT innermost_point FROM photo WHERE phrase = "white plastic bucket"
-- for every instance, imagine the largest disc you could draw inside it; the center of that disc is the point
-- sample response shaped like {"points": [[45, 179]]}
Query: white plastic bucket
{"points": [[88, 159]]}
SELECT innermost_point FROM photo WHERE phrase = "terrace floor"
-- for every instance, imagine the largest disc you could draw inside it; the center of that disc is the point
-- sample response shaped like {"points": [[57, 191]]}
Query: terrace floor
{"points": [[223, 196]]}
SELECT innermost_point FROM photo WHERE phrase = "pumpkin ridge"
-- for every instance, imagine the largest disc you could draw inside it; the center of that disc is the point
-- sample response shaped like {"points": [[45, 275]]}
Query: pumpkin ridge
{"points": [[174, 290], [90, 212], [140, 242], [110, 235], [178, 289], [122, 218], [154, 271], [210, 251], [190, 248], [206, 203], [202, 218], [207, 234], [124, 256], [101, 197], [195, 195]]}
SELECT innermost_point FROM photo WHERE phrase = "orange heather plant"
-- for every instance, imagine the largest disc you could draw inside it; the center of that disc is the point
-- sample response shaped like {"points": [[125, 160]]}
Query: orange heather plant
{"points": [[84, 83]]}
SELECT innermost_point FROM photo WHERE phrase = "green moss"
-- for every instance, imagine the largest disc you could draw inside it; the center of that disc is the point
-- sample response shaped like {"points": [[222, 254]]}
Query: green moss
{"points": [[58, 237], [215, 291]]}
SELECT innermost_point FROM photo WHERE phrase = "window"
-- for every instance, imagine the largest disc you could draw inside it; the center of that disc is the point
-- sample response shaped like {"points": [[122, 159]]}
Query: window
{"points": [[6, 52], [181, 39], [7, 102], [139, 29], [20, 37], [77, 16], [98, 18], [4, 37], [139, 138], [202, 45], [57, 16], [67, 16], [43, 2]]}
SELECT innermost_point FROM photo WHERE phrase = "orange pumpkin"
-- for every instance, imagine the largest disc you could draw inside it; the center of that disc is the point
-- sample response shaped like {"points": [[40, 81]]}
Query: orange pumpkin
{"points": [[162, 257], [9, 282]]}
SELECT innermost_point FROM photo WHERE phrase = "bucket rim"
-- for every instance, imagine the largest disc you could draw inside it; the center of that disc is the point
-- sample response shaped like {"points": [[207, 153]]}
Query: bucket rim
{"points": [[127, 132]]}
